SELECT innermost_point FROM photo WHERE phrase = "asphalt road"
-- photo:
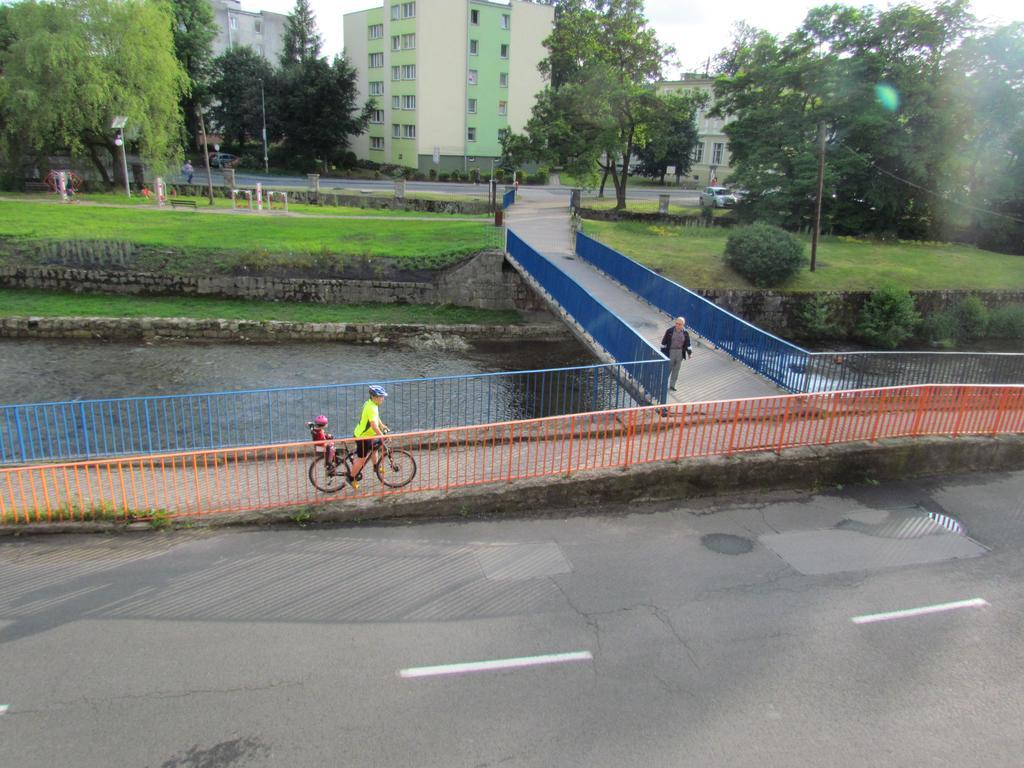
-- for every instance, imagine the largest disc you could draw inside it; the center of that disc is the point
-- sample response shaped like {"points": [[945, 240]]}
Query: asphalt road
{"points": [[307, 647], [247, 179]]}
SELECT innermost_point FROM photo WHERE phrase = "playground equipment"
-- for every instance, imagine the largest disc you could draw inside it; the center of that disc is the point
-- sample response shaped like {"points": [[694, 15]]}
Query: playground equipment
{"points": [[259, 195], [64, 183]]}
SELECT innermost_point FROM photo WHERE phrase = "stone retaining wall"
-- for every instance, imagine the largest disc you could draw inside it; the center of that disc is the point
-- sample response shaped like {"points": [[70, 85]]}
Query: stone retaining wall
{"points": [[778, 312], [346, 199], [262, 331], [483, 281]]}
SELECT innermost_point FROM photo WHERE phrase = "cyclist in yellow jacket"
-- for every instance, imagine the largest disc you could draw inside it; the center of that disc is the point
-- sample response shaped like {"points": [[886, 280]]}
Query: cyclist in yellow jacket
{"points": [[367, 431]]}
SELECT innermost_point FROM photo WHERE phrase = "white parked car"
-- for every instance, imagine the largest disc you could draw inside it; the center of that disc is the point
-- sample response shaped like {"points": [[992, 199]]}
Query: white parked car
{"points": [[717, 197]]}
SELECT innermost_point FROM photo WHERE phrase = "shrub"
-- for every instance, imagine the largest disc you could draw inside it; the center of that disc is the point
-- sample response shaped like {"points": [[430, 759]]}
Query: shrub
{"points": [[444, 177], [433, 174], [971, 319], [816, 316], [1007, 322], [765, 255], [888, 318], [940, 329]]}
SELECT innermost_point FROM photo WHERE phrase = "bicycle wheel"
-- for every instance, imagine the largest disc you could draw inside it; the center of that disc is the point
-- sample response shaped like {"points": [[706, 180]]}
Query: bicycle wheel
{"points": [[396, 468], [322, 479]]}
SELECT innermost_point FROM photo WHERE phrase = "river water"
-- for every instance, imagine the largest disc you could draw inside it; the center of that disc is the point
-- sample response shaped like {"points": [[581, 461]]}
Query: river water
{"points": [[33, 371], [74, 374]]}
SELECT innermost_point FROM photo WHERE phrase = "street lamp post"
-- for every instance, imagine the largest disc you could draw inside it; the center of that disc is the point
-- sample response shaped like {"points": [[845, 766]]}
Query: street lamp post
{"points": [[117, 125], [263, 107]]}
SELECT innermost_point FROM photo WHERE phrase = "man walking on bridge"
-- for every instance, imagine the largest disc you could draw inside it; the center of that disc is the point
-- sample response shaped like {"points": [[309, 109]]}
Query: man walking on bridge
{"points": [[675, 345]]}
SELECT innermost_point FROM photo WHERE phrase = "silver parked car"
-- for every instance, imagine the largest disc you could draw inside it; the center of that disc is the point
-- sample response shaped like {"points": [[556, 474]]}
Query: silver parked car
{"points": [[717, 197]]}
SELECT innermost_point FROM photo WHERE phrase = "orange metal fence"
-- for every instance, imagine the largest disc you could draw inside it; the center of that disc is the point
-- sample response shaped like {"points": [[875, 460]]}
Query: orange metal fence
{"points": [[275, 476]]}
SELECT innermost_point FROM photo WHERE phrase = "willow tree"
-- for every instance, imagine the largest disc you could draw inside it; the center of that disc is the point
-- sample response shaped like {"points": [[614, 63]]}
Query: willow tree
{"points": [[71, 66]]}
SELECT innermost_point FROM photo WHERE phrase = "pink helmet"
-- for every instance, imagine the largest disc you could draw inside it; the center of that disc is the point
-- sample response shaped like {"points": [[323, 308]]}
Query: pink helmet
{"points": [[320, 421]]}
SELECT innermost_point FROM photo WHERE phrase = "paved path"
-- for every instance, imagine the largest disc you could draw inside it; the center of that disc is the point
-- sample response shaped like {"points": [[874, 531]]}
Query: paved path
{"points": [[541, 218]]}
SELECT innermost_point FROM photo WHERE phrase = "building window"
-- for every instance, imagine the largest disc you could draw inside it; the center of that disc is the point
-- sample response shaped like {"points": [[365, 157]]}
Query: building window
{"points": [[471, 106], [503, 79], [396, 102], [409, 72], [233, 22], [474, 47], [472, 77], [408, 102], [396, 130], [396, 72], [409, 131], [504, 50], [505, 21], [408, 10], [698, 153], [377, 116], [474, 17], [396, 42], [259, 50], [376, 31], [376, 87], [396, 12], [502, 107], [471, 134], [408, 42], [376, 142], [502, 133], [376, 60], [257, 27], [717, 150]]}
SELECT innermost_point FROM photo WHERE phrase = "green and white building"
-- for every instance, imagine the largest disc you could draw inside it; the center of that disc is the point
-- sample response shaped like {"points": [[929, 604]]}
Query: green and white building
{"points": [[449, 77]]}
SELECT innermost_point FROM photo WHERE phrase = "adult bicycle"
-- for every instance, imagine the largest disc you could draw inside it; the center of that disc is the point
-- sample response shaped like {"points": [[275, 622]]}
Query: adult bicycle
{"points": [[394, 467]]}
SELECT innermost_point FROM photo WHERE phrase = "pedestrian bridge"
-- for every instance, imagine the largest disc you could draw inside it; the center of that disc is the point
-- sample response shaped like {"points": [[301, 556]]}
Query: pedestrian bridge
{"points": [[617, 306]]}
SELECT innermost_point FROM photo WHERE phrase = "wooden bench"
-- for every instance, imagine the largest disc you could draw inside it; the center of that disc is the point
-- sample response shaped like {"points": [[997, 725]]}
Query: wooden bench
{"points": [[183, 204]]}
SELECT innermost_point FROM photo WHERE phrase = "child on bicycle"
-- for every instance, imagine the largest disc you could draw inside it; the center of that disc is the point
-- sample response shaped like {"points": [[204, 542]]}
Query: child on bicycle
{"points": [[369, 425], [324, 440]]}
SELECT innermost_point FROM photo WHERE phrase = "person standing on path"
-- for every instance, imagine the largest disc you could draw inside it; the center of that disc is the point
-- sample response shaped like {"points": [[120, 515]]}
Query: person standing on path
{"points": [[675, 345], [188, 170]]}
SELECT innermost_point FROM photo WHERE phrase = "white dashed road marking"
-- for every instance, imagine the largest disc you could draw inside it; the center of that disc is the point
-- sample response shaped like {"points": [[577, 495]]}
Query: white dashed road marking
{"points": [[870, 618], [487, 666]]}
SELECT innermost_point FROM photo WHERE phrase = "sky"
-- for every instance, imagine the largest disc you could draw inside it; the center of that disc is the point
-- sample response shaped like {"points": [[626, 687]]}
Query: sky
{"points": [[697, 33]]}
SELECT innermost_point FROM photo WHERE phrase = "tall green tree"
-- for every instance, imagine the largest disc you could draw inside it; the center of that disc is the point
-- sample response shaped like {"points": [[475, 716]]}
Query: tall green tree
{"points": [[316, 108], [302, 41], [989, 77], [670, 136], [602, 63], [194, 31], [237, 110], [72, 66]]}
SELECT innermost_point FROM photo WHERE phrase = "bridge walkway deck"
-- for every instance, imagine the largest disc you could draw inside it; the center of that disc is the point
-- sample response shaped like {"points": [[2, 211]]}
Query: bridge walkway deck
{"points": [[541, 218]]}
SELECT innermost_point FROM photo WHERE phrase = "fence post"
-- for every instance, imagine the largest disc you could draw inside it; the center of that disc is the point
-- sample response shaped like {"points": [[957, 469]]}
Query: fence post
{"points": [[737, 404], [879, 409], [630, 428], [785, 422], [572, 434], [959, 411], [511, 443], [923, 400], [1000, 410], [447, 460]]}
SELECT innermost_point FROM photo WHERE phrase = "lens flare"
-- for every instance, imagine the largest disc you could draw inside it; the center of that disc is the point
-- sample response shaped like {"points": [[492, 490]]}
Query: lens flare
{"points": [[887, 97]]}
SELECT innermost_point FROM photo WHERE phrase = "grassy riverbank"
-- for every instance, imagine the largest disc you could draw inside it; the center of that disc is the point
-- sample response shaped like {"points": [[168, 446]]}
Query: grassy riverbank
{"points": [[426, 242], [692, 256], [45, 304]]}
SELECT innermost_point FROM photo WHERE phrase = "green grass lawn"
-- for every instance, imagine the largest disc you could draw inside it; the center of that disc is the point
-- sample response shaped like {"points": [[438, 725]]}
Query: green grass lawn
{"points": [[692, 256], [46, 304], [109, 198], [434, 239]]}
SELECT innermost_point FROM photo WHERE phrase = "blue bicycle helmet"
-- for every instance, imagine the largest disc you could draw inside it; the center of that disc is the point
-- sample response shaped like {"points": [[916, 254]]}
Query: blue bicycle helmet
{"points": [[377, 391]]}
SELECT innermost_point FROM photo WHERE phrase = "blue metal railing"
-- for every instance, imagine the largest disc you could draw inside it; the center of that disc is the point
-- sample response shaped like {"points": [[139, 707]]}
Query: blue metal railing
{"points": [[508, 198], [788, 365], [136, 425], [642, 361], [772, 357]]}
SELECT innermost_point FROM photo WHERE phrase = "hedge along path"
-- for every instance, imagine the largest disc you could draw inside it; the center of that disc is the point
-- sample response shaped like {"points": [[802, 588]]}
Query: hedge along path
{"points": [[395, 237]]}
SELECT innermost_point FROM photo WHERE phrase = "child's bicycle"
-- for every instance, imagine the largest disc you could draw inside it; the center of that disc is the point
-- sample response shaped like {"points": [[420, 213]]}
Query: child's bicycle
{"points": [[395, 467]]}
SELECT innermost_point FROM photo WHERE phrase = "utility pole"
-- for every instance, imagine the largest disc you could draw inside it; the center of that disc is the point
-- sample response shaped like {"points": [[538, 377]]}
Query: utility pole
{"points": [[206, 152], [263, 105], [821, 187]]}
